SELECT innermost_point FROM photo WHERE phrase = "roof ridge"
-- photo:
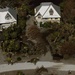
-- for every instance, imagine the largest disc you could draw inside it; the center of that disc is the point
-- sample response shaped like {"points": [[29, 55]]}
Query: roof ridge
{"points": [[46, 3]]}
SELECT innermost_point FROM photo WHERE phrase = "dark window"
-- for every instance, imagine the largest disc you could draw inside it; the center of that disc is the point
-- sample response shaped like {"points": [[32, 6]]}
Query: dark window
{"points": [[56, 18], [8, 17], [51, 12], [45, 18]]}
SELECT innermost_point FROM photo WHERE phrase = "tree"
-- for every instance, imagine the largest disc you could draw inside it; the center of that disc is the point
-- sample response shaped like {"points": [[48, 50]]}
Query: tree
{"points": [[20, 73], [33, 32], [12, 41], [41, 70], [68, 48], [40, 48], [69, 11], [58, 34]]}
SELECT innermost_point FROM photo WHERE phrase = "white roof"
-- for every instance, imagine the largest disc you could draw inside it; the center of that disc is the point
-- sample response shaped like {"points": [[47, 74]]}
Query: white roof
{"points": [[4, 12], [2, 17], [44, 9]]}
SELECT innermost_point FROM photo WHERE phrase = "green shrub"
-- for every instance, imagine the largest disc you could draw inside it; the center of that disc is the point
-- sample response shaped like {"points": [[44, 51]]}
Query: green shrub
{"points": [[19, 59], [20, 73], [45, 25]]}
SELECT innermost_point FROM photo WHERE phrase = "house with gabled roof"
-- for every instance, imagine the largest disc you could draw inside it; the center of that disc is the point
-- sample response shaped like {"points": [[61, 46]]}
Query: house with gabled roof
{"points": [[47, 11], [8, 16]]}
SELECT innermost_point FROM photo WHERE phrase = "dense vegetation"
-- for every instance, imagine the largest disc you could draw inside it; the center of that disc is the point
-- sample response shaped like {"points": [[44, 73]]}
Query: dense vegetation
{"points": [[68, 11]]}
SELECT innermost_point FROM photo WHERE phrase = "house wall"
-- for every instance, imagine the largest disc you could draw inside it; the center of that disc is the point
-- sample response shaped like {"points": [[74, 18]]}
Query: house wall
{"points": [[38, 19], [6, 25], [48, 19], [51, 20]]}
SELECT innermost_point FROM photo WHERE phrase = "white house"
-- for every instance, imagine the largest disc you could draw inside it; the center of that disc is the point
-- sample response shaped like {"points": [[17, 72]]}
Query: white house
{"points": [[8, 17], [47, 11]]}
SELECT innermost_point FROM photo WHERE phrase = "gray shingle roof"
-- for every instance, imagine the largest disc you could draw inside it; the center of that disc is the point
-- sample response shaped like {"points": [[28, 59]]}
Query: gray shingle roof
{"points": [[57, 8], [13, 13], [38, 7], [4, 9], [46, 3]]}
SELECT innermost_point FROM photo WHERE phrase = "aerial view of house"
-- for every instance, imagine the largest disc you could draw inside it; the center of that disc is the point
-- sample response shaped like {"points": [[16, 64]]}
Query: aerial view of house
{"points": [[37, 37], [47, 11], [8, 16]]}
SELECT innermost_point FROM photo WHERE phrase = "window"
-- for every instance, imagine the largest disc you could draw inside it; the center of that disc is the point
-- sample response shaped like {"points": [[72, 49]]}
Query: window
{"points": [[51, 12], [8, 17], [45, 18], [56, 18]]}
